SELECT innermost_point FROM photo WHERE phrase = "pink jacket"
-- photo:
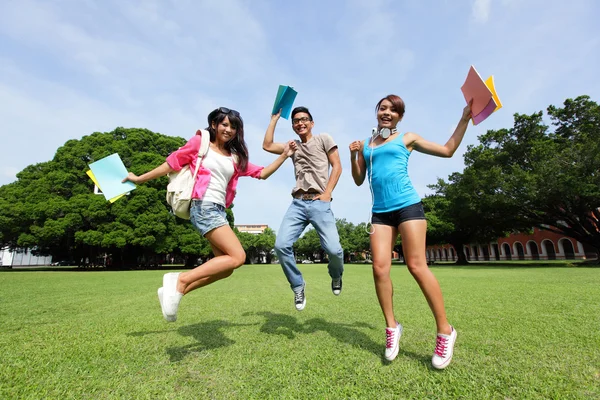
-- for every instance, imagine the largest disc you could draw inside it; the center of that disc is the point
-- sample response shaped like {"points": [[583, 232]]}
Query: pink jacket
{"points": [[188, 154]]}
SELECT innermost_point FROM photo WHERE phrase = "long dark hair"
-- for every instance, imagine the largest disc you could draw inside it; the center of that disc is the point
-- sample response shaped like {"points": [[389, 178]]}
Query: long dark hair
{"points": [[237, 145]]}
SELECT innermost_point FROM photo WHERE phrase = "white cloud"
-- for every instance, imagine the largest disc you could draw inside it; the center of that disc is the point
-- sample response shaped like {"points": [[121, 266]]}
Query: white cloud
{"points": [[481, 10]]}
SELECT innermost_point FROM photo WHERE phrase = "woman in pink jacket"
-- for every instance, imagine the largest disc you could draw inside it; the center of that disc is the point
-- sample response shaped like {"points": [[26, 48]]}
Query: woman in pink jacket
{"points": [[214, 190]]}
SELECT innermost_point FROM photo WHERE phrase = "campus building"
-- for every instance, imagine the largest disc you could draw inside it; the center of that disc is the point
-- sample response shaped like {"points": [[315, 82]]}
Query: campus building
{"points": [[540, 245], [22, 258], [253, 229]]}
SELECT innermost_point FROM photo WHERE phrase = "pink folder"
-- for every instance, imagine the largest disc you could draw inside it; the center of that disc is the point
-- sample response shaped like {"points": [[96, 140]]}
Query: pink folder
{"points": [[476, 89], [487, 111]]}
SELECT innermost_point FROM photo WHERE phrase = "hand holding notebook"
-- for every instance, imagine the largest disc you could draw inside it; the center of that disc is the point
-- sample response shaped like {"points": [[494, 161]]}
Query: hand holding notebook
{"points": [[482, 93], [284, 101]]}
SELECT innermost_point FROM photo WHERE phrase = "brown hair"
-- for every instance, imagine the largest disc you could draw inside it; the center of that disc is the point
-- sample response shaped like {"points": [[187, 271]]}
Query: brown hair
{"points": [[397, 103]]}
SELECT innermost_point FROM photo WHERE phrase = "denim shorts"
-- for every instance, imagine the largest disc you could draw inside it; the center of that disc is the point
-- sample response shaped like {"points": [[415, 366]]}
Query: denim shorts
{"points": [[206, 216], [396, 217]]}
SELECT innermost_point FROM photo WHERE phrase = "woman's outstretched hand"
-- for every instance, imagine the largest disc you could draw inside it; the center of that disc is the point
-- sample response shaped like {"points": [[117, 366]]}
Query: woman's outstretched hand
{"points": [[132, 178], [290, 148], [466, 115]]}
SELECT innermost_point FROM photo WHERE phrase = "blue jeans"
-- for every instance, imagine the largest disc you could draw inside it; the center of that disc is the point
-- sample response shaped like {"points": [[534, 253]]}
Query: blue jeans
{"points": [[298, 216]]}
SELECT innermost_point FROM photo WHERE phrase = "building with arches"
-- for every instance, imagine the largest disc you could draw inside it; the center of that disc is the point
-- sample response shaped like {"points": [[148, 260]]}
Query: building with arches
{"points": [[539, 245]]}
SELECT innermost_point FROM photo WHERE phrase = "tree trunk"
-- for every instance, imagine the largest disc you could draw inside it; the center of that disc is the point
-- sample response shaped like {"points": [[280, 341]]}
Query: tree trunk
{"points": [[460, 253]]}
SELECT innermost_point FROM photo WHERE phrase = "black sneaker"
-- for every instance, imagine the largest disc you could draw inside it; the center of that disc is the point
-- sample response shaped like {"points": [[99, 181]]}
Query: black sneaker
{"points": [[336, 286], [300, 299]]}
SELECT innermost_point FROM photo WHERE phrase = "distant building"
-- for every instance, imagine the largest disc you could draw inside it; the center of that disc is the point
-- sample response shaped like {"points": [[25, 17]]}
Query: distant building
{"points": [[540, 245], [253, 229], [22, 257]]}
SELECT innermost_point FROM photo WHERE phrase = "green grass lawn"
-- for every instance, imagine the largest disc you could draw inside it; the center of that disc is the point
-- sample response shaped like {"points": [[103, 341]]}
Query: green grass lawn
{"points": [[522, 333]]}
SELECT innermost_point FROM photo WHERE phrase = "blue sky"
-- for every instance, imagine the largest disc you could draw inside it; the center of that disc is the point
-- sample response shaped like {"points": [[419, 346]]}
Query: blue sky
{"points": [[69, 68]]}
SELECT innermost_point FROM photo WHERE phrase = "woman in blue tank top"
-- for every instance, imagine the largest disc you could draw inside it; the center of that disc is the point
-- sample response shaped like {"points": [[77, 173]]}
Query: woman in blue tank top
{"points": [[397, 209]]}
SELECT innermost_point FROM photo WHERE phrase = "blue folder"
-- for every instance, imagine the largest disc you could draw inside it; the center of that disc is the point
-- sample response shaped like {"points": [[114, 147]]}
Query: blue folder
{"points": [[284, 101], [109, 172]]}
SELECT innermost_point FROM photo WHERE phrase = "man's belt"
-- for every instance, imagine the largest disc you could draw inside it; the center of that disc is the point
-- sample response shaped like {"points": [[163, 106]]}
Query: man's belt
{"points": [[306, 196]]}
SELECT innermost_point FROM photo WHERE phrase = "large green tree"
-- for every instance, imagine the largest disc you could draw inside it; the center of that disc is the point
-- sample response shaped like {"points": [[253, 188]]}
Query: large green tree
{"points": [[51, 207], [354, 239], [309, 246], [532, 176], [265, 243], [467, 209]]}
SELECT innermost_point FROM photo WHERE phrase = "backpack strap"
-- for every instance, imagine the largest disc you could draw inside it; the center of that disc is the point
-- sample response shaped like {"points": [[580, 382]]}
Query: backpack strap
{"points": [[204, 144]]}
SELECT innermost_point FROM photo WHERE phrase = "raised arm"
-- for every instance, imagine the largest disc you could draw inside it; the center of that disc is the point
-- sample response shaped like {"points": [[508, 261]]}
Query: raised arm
{"points": [[157, 172], [334, 176], [416, 142], [288, 149], [357, 161], [268, 144]]}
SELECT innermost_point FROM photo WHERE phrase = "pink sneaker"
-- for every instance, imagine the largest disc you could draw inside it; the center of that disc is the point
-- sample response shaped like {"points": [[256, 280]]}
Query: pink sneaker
{"points": [[392, 340], [444, 348]]}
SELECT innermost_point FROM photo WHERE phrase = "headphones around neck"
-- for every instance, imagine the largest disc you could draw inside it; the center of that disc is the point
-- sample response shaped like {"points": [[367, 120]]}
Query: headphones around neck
{"points": [[383, 132]]}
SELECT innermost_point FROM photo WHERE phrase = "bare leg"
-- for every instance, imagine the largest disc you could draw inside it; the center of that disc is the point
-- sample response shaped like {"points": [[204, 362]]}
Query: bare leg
{"points": [[413, 243], [210, 279], [382, 241], [232, 256]]}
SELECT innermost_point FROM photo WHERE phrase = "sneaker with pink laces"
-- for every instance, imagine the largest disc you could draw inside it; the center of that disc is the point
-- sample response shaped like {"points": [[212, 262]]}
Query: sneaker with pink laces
{"points": [[392, 340], [444, 348]]}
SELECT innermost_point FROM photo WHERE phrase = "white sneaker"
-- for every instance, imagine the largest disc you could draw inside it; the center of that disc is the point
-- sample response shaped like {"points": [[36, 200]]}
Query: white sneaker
{"points": [[444, 348], [171, 297], [160, 299], [392, 341]]}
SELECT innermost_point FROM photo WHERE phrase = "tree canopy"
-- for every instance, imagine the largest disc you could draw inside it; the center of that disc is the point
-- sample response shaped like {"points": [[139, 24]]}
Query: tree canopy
{"points": [[530, 176], [51, 207]]}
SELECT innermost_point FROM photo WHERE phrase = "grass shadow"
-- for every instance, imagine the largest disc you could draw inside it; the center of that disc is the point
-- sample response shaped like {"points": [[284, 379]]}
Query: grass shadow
{"points": [[207, 336], [346, 333], [288, 326]]}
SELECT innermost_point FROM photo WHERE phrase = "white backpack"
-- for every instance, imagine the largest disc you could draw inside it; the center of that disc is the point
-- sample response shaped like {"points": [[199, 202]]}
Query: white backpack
{"points": [[181, 183]]}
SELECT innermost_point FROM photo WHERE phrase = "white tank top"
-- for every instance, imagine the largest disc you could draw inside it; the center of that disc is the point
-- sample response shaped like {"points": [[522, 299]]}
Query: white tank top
{"points": [[221, 171]]}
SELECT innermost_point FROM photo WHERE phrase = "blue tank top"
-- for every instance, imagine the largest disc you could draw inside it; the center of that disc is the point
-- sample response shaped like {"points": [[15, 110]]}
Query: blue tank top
{"points": [[387, 171]]}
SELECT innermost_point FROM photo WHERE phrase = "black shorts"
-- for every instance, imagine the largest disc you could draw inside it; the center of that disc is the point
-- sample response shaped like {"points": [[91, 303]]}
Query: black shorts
{"points": [[396, 217]]}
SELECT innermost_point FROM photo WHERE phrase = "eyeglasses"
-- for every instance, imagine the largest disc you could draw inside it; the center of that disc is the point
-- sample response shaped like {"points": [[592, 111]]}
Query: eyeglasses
{"points": [[226, 110], [302, 120]]}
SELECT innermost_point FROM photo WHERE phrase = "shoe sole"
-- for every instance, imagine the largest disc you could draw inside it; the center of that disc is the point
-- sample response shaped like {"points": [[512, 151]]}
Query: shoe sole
{"points": [[393, 356], [301, 307], [443, 366], [160, 300], [339, 291]]}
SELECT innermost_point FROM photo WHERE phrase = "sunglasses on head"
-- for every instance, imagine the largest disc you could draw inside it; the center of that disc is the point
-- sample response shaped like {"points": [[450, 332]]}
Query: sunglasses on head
{"points": [[226, 110]]}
